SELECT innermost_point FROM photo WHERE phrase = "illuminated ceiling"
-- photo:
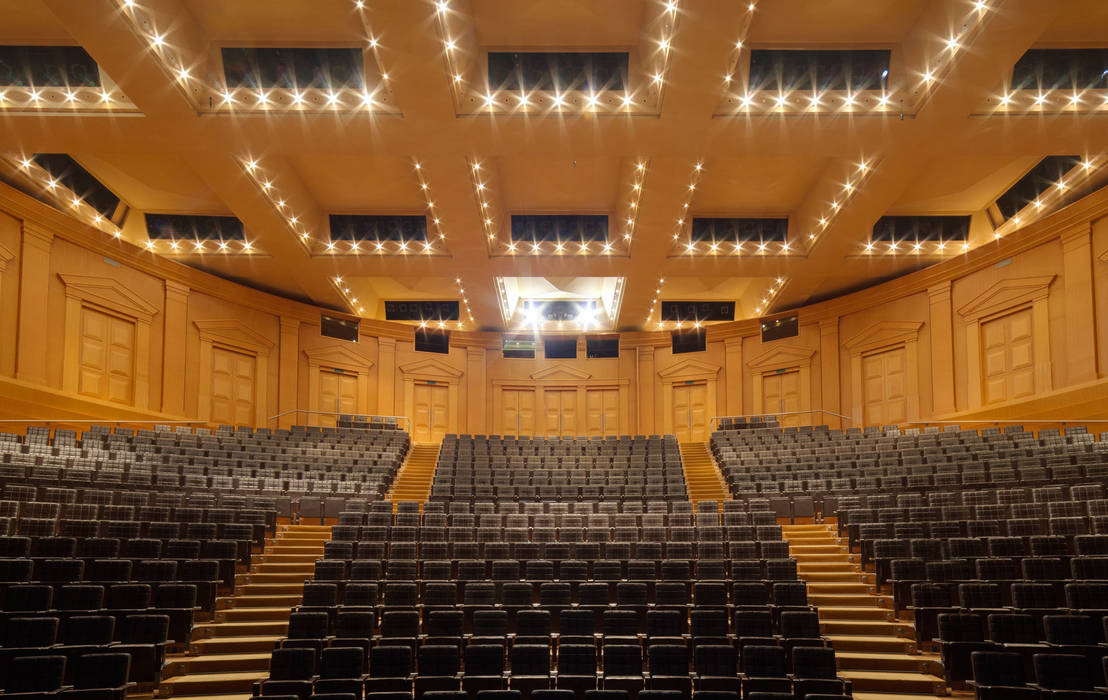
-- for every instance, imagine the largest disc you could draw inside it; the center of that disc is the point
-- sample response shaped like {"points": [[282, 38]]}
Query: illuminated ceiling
{"points": [[687, 139]]}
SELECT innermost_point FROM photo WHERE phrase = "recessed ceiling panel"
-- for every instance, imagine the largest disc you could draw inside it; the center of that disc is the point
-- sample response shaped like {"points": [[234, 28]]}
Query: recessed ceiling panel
{"points": [[961, 183], [793, 22], [160, 182], [361, 183], [567, 184], [558, 23], [755, 186]]}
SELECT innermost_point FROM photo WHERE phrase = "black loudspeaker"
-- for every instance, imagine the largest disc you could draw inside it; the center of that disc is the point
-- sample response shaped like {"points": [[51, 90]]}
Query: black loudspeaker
{"points": [[560, 348], [603, 346], [693, 340], [341, 328], [427, 340], [778, 328]]}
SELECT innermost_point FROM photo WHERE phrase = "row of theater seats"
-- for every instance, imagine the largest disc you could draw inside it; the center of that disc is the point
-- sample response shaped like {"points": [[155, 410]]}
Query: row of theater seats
{"points": [[301, 460], [95, 676], [498, 468], [110, 563], [827, 463]]}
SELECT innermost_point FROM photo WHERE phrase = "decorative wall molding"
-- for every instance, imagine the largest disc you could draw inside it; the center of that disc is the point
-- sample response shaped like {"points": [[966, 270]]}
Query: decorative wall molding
{"points": [[236, 336], [560, 371], [6, 256], [689, 371], [1002, 298], [432, 371], [343, 359], [781, 357], [884, 336], [110, 295]]}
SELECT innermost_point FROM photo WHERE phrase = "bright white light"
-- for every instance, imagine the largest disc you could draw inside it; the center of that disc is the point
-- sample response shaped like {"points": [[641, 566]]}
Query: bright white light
{"points": [[627, 99], [559, 101], [1005, 99], [782, 100], [951, 43], [69, 96], [928, 76], [228, 98], [489, 100], [297, 98], [182, 73], [451, 45], [442, 5], [332, 98], [158, 40]]}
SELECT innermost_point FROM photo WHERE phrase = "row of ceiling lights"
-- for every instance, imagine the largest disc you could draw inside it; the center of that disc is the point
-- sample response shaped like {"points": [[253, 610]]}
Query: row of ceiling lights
{"points": [[64, 197]]}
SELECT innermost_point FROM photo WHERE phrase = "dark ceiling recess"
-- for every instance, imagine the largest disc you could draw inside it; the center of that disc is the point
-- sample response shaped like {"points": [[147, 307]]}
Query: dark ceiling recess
{"points": [[47, 66], [293, 68], [81, 182], [558, 71], [1046, 174], [819, 70], [559, 228], [1061, 69], [358, 227], [714, 230], [203, 228], [918, 229]]}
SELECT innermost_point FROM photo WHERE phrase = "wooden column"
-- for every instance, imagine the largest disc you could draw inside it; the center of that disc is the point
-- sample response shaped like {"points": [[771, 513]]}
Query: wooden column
{"points": [[34, 288], [288, 366], [386, 376], [175, 319], [1077, 265], [941, 327], [476, 411], [829, 374], [647, 400], [733, 375]]}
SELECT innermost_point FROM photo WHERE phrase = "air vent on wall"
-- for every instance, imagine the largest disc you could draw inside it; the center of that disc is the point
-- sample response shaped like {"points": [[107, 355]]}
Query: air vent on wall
{"points": [[293, 68], [371, 227], [81, 182], [816, 71], [201, 228], [739, 230], [558, 71], [48, 66], [559, 228], [1061, 69], [1046, 174], [918, 229]]}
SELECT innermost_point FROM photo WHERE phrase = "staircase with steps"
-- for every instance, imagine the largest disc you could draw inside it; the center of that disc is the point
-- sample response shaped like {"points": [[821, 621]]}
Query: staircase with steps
{"points": [[232, 651], [874, 650], [413, 483], [702, 477]]}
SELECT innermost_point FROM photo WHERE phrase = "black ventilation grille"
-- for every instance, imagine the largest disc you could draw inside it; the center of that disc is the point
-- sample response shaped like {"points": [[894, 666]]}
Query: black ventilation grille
{"points": [[293, 68], [1061, 69], [203, 228], [715, 230], [784, 70], [81, 182], [557, 71], [357, 227], [1038, 180], [918, 229], [47, 66], [559, 228]]}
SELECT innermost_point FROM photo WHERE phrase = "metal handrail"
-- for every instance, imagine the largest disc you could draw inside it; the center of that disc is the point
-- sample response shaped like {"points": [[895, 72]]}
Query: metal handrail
{"points": [[282, 414], [714, 421], [1008, 421]]}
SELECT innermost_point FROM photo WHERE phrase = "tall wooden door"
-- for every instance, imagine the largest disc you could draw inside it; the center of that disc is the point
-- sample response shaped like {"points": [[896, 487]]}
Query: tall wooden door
{"points": [[233, 377], [107, 364], [781, 394], [560, 406], [1007, 357], [519, 412], [431, 412], [602, 407], [690, 412], [884, 387], [338, 393]]}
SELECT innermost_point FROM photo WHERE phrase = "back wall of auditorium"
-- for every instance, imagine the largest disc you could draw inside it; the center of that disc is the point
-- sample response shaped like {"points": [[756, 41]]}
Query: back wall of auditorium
{"points": [[91, 327]]}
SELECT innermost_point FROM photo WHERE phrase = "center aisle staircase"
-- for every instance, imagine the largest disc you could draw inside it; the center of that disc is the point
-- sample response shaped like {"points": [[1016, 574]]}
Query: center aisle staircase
{"points": [[702, 478], [413, 483], [232, 651], [875, 651]]}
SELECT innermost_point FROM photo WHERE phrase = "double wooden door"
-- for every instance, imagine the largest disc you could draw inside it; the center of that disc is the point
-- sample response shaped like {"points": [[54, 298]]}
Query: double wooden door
{"points": [[338, 393], [602, 409], [518, 417], [781, 394], [430, 420], [560, 409], [690, 412]]}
